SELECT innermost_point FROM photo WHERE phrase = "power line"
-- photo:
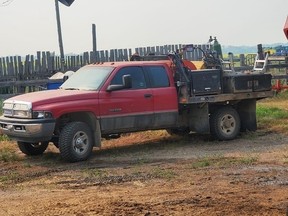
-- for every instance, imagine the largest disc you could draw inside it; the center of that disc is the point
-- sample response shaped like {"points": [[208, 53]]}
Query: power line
{"points": [[4, 3]]}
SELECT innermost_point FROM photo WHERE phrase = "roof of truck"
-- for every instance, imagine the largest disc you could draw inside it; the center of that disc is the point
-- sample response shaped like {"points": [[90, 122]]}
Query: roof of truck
{"points": [[129, 63], [169, 63]]}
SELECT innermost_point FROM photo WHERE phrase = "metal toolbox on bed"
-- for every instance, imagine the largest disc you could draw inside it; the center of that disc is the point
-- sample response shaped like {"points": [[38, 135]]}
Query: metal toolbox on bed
{"points": [[246, 83], [262, 82], [205, 82]]}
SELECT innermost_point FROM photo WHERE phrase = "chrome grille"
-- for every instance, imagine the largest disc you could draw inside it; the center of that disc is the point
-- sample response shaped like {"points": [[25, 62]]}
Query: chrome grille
{"points": [[17, 109]]}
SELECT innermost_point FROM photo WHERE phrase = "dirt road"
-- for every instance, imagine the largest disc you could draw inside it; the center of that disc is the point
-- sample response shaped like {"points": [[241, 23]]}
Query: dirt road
{"points": [[153, 173]]}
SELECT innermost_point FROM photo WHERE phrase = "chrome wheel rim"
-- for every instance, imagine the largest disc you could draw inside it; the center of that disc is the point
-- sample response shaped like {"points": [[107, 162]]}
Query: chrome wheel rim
{"points": [[228, 124], [80, 142]]}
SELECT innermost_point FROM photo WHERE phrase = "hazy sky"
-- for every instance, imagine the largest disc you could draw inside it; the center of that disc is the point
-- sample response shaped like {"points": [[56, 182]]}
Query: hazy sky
{"points": [[30, 25]]}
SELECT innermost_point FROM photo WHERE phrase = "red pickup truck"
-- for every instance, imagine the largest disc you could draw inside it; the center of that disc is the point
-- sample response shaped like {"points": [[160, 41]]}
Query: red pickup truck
{"points": [[107, 99]]}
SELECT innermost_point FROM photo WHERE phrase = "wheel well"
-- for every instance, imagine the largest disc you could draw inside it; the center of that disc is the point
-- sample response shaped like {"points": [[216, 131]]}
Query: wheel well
{"points": [[87, 117], [214, 107]]}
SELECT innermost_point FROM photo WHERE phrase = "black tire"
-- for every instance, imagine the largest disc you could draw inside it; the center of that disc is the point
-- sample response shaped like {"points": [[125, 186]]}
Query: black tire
{"points": [[179, 131], [75, 142], [33, 149], [225, 124]]}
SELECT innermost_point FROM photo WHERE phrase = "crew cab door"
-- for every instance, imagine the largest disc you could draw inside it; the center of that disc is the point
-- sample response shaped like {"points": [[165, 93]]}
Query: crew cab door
{"points": [[164, 96], [127, 109]]}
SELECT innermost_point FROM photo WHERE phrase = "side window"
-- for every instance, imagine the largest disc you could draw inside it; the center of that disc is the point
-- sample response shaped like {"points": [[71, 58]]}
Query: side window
{"points": [[136, 73], [158, 76]]}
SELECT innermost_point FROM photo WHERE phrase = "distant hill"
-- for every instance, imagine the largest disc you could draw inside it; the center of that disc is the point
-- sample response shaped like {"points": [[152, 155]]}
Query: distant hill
{"points": [[247, 49]]}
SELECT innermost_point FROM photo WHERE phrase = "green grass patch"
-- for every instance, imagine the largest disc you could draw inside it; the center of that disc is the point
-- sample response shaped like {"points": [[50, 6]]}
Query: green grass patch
{"points": [[265, 112], [205, 162], [9, 177], [249, 160], [221, 161], [4, 138], [164, 173], [94, 173], [8, 155], [271, 117]]}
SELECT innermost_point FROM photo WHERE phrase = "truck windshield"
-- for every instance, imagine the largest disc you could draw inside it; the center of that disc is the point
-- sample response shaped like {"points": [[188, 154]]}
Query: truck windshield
{"points": [[87, 78]]}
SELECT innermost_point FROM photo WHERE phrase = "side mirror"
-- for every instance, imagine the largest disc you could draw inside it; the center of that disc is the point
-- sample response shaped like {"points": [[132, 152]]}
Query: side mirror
{"points": [[127, 81], [126, 84]]}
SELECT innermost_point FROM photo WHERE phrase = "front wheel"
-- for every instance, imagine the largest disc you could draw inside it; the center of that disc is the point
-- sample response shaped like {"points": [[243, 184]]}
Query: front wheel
{"points": [[75, 142], [33, 148], [225, 123]]}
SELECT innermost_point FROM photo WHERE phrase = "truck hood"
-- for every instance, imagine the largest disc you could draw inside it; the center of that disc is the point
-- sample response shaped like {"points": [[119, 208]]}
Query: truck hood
{"points": [[54, 96]]}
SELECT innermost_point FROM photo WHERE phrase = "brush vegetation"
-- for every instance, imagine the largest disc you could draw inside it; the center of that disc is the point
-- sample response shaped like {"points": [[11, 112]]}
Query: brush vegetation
{"points": [[8, 155], [222, 161]]}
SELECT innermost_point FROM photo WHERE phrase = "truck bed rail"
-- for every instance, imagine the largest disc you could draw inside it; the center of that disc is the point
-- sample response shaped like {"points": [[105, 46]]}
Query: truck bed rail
{"points": [[218, 98]]}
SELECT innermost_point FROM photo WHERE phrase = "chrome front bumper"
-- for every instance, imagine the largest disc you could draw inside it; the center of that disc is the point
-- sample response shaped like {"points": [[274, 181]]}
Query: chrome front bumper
{"points": [[27, 130]]}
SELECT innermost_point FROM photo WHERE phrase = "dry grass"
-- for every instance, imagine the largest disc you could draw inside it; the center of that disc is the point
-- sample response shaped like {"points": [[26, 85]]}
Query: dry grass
{"points": [[280, 101], [8, 152], [137, 138]]}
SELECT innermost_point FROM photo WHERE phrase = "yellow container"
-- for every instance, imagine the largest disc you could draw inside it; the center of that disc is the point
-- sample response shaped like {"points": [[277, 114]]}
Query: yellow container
{"points": [[199, 64]]}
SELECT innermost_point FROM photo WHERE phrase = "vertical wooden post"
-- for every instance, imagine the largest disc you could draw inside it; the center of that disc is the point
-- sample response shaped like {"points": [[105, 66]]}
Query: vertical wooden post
{"points": [[231, 58], [94, 38], [260, 52], [242, 60]]}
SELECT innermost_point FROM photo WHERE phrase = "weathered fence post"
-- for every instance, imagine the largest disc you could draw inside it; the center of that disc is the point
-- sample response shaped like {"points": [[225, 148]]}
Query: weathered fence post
{"points": [[242, 60]]}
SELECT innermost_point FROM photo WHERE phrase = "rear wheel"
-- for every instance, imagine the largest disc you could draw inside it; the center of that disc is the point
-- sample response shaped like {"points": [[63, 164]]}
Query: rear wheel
{"points": [[225, 123], [75, 142], [33, 148]]}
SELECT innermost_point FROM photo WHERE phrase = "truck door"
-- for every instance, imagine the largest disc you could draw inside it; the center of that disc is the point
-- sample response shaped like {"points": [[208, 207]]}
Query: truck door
{"points": [[127, 109], [164, 96]]}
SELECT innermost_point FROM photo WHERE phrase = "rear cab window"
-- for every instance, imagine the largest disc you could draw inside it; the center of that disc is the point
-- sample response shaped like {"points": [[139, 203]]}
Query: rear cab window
{"points": [[157, 76]]}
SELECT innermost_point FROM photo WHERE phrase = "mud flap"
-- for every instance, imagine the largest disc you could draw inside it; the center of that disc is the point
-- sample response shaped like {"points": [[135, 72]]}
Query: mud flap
{"points": [[199, 118], [247, 113], [97, 134]]}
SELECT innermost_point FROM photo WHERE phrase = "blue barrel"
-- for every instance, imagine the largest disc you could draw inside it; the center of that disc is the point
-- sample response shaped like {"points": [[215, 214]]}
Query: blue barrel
{"points": [[54, 84]]}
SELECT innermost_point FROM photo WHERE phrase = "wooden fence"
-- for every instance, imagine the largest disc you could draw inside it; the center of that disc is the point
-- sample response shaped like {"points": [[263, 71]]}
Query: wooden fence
{"points": [[30, 73]]}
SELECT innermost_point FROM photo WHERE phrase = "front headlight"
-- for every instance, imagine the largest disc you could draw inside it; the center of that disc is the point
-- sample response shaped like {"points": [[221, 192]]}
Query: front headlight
{"points": [[41, 114], [21, 113]]}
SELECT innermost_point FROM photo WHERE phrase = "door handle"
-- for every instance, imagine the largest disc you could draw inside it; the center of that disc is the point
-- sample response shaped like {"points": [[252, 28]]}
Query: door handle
{"points": [[147, 95]]}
